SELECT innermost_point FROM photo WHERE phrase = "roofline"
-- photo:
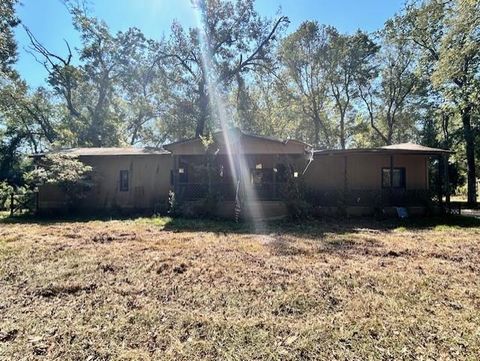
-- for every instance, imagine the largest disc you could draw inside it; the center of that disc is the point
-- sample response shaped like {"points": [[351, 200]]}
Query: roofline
{"points": [[159, 151], [180, 142], [382, 151], [271, 139], [40, 155]]}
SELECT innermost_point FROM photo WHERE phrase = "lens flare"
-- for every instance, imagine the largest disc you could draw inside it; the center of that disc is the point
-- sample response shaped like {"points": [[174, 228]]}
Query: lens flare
{"points": [[237, 160]]}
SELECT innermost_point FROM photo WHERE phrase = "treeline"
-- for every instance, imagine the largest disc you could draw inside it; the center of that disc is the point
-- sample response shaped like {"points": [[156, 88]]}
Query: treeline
{"points": [[417, 79]]}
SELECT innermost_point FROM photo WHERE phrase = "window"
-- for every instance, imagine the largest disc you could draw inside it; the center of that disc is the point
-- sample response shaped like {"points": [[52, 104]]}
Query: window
{"points": [[124, 181], [182, 174], [261, 176], [281, 171], [182, 170], [395, 181]]}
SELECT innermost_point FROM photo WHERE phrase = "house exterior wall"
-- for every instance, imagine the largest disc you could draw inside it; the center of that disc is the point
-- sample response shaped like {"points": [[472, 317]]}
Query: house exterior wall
{"points": [[149, 183], [363, 171], [328, 174], [416, 170]]}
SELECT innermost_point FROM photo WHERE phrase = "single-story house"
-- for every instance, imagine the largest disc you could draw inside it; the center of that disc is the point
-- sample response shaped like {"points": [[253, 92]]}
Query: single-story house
{"points": [[246, 172]]}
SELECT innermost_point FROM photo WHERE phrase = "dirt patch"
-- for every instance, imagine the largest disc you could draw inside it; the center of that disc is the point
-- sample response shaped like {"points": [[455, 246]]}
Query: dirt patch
{"points": [[10, 335], [181, 268], [105, 237], [62, 290]]}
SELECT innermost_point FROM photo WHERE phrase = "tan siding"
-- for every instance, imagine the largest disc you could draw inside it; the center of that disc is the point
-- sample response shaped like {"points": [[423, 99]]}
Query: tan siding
{"points": [[149, 183], [326, 173], [416, 177], [363, 171]]}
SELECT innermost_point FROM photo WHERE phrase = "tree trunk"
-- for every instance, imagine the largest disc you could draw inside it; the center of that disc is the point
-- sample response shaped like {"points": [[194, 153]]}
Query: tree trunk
{"points": [[203, 109], [316, 124], [470, 152], [390, 135], [342, 129]]}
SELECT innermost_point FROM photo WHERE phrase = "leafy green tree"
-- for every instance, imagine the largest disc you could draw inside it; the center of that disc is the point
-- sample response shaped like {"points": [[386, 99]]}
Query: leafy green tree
{"points": [[142, 89], [92, 92], [266, 107], [389, 98], [239, 42], [457, 74], [349, 58], [8, 46], [303, 55], [447, 34]]}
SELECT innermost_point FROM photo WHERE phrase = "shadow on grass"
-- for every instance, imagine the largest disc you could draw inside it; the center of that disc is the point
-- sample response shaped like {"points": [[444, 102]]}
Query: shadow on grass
{"points": [[28, 218], [313, 228]]}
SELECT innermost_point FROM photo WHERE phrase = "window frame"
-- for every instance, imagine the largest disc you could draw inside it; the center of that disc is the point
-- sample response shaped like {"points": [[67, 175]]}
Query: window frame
{"points": [[122, 186], [403, 179]]}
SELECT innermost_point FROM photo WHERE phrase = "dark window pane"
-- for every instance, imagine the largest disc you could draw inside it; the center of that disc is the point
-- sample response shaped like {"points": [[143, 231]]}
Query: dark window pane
{"points": [[261, 176], [385, 177], [399, 177], [124, 181], [281, 173]]}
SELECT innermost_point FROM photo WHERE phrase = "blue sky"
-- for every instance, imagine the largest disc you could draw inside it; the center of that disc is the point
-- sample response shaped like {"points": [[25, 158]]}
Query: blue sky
{"points": [[51, 23]]}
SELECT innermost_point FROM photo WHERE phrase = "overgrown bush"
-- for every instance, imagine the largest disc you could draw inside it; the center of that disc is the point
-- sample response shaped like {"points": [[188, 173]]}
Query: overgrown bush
{"points": [[297, 206], [5, 191], [65, 171]]}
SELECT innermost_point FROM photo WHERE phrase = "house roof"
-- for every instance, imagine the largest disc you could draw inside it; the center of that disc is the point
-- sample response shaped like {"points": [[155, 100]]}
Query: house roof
{"points": [[402, 148], [106, 151], [239, 132], [415, 147]]}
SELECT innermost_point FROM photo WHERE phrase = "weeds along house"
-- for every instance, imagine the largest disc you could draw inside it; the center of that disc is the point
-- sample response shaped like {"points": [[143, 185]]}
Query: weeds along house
{"points": [[239, 172]]}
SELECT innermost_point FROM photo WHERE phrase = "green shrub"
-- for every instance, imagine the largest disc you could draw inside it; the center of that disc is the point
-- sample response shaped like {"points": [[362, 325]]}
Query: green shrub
{"points": [[64, 170]]}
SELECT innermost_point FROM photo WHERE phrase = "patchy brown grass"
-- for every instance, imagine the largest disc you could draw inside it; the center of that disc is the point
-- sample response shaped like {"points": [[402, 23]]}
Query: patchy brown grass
{"points": [[182, 290]]}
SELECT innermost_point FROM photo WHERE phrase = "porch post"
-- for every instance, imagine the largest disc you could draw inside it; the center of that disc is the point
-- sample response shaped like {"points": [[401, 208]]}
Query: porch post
{"points": [[427, 168], [345, 181], [391, 171], [274, 185], [440, 181], [175, 174], [390, 191], [446, 180]]}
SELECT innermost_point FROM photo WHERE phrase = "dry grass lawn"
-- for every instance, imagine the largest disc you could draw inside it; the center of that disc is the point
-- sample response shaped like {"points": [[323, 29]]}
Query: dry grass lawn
{"points": [[143, 289]]}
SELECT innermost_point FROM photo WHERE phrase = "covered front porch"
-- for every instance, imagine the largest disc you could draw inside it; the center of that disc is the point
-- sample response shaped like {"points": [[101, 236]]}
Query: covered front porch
{"points": [[233, 172], [266, 176], [373, 180]]}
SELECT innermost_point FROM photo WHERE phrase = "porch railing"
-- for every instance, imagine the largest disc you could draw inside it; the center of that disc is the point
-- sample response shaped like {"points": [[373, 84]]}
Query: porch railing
{"points": [[369, 198], [226, 191], [328, 198], [194, 191]]}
